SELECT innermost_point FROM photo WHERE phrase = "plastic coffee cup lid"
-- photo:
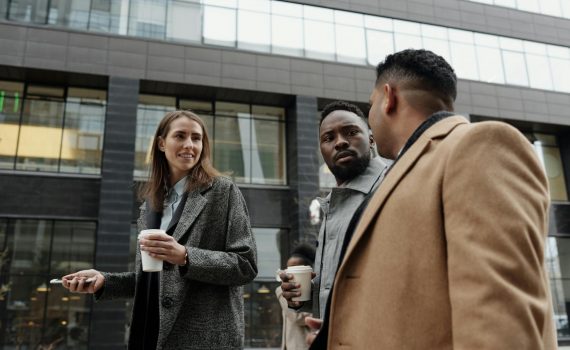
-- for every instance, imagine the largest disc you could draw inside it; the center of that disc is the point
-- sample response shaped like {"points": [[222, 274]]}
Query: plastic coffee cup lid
{"points": [[146, 232], [300, 268]]}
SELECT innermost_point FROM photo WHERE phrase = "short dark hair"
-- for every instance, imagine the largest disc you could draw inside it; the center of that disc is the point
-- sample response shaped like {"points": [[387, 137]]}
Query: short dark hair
{"points": [[420, 69], [306, 252], [342, 106]]}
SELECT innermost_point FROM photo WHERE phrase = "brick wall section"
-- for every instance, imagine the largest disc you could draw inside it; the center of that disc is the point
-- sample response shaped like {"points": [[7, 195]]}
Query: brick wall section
{"points": [[115, 206], [302, 166]]}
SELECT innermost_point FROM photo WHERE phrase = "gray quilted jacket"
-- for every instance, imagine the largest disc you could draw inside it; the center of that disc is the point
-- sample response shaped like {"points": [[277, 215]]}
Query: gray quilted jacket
{"points": [[201, 304]]}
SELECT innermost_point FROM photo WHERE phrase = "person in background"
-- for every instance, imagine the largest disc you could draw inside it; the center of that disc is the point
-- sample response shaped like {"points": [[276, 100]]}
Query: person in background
{"points": [[208, 250], [295, 331], [449, 252], [346, 145]]}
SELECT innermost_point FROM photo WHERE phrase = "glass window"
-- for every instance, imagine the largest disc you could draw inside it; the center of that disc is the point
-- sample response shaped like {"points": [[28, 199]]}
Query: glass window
{"points": [[263, 320], [547, 150], [268, 138], [10, 108], [319, 39], [407, 41], [490, 65], [232, 145], [39, 143], [109, 16], [184, 21], [560, 74], [350, 44], [69, 13], [438, 46], [219, 26], [34, 11], [551, 7], [538, 71], [254, 31], [147, 18], [379, 23], [464, 60], [287, 35], [506, 3], [528, 5], [515, 68], [558, 264], [150, 111], [379, 45], [36, 315], [82, 141], [565, 8]]}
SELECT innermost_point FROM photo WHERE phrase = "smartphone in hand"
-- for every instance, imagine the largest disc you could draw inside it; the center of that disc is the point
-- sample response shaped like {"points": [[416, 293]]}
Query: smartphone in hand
{"points": [[58, 281]]}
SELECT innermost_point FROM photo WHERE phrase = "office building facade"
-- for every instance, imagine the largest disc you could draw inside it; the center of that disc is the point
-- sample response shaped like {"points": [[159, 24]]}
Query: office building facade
{"points": [[83, 84]]}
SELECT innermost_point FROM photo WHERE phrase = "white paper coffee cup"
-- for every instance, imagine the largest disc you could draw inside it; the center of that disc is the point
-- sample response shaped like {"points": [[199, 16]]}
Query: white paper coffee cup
{"points": [[150, 264], [301, 275]]}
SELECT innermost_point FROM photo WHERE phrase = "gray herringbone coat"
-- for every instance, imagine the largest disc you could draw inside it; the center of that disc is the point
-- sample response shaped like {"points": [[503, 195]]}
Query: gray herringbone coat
{"points": [[201, 304]]}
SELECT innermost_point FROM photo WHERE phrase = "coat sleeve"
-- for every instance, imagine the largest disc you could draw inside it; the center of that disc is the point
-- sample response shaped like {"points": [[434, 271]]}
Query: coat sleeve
{"points": [[237, 265], [117, 286], [495, 203]]}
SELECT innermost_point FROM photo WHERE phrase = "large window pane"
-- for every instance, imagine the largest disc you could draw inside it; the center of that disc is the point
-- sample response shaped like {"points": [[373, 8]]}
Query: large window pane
{"points": [[151, 110], [28, 322], [39, 143], [34, 11], [109, 16], [10, 107], [268, 138], [350, 44], [254, 31], [379, 45], [184, 21], [515, 68], [287, 35], [148, 18], [538, 72], [490, 65], [28, 247], [547, 150], [219, 26], [69, 13], [560, 74], [319, 40], [438, 46], [464, 60], [558, 264], [82, 142], [262, 315], [232, 148], [528, 5]]}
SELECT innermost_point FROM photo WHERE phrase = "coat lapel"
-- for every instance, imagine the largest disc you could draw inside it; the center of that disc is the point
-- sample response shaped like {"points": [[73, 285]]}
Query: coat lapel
{"points": [[400, 169], [195, 202]]}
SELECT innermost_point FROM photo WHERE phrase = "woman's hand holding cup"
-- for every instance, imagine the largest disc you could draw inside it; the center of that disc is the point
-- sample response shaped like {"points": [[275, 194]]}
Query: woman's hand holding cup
{"points": [[160, 245]]}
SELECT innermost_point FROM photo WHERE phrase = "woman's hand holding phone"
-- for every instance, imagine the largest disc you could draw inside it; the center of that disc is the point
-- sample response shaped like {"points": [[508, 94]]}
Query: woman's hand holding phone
{"points": [[85, 281]]}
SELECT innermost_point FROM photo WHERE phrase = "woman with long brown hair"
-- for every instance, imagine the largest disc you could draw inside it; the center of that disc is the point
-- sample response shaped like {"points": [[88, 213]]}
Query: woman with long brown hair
{"points": [[207, 249]]}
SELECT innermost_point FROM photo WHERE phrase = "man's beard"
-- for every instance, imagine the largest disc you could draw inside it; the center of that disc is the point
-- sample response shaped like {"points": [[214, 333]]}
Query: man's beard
{"points": [[352, 170]]}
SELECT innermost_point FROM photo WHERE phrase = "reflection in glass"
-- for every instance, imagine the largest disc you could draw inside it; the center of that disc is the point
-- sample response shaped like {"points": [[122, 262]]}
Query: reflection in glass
{"points": [[254, 31], [538, 72], [547, 150], [184, 21], [560, 73], [219, 26], [232, 146], [350, 45], [558, 264], [268, 136], [319, 40], [147, 18], [69, 13], [287, 35], [515, 68], [379, 44], [82, 141], [262, 315], [109, 16], [10, 108], [37, 251], [464, 60], [34, 11], [490, 65], [150, 111]]}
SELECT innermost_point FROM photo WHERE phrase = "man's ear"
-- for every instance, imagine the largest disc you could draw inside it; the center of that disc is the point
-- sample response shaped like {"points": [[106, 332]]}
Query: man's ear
{"points": [[390, 99], [371, 139]]}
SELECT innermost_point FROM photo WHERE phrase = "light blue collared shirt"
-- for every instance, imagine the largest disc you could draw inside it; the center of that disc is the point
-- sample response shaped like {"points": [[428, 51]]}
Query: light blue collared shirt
{"points": [[171, 202]]}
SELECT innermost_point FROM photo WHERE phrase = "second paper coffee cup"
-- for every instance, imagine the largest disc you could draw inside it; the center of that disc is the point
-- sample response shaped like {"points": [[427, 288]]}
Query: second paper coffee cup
{"points": [[302, 275], [150, 264]]}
